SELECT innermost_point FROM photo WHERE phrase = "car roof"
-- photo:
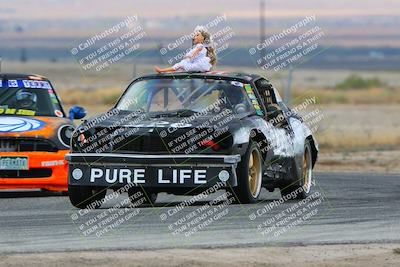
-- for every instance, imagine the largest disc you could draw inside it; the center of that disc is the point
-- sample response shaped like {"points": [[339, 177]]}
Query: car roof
{"points": [[210, 74], [8, 76]]}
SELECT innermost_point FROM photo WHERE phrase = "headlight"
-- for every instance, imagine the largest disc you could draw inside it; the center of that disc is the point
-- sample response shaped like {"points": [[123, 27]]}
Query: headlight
{"points": [[65, 134]]}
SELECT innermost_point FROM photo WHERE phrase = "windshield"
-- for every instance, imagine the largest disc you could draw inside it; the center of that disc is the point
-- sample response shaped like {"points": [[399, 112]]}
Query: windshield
{"points": [[28, 98], [160, 96]]}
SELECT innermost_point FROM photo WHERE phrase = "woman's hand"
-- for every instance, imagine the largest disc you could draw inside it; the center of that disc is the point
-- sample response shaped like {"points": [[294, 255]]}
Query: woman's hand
{"points": [[195, 53]]}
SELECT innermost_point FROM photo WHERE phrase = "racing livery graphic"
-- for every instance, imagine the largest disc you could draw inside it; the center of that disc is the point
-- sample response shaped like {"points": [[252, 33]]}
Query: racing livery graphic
{"points": [[34, 134], [15, 124], [183, 132]]}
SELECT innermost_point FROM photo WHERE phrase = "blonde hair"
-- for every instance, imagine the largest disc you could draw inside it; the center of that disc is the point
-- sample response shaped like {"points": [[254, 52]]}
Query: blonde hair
{"points": [[210, 49]]}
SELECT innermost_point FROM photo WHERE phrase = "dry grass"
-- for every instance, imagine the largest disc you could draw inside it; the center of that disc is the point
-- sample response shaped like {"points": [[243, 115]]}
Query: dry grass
{"points": [[360, 161], [376, 96], [332, 141], [350, 96], [105, 96]]}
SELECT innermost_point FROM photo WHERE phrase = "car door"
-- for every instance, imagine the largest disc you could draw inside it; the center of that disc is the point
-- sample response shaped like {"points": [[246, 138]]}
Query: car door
{"points": [[291, 121], [276, 110], [279, 134]]}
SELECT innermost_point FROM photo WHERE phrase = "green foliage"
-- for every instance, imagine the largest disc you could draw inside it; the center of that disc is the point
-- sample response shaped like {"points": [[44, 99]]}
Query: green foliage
{"points": [[355, 81]]}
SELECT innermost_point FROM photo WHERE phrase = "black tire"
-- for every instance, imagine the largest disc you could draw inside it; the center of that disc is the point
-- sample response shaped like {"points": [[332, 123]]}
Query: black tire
{"points": [[249, 186], [86, 197], [302, 187], [150, 197]]}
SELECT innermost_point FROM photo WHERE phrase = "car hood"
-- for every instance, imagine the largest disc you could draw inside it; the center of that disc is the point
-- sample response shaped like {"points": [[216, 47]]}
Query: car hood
{"points": [[156, 135], [166, 122]]}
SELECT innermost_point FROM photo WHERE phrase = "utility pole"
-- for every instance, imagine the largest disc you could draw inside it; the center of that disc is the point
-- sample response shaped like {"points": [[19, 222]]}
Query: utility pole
{"points": [[134, 70], [23, 57], [0, 64], [262, 26], [159, 48], [288, 91]]}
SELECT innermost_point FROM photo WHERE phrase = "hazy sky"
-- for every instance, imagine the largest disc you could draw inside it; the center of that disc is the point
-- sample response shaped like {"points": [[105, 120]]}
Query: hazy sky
{"points": [[70, 9]]}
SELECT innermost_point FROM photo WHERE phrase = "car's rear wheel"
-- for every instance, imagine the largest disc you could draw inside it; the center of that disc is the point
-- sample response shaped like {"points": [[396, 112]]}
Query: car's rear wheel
{"points": [[86, 197], [147, 197], [249, 172], [302, 188]]}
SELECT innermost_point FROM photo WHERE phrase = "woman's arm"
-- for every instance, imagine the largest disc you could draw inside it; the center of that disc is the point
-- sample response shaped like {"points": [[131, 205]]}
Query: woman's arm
{"points": [[196, 52]]}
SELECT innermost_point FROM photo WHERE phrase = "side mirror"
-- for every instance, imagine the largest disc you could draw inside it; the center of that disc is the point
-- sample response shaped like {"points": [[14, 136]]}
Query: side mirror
{"points": [[76, 113]]}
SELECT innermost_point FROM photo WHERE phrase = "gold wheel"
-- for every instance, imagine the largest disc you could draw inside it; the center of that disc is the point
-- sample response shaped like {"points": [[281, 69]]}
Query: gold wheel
{"points": [[307, 169], [255, 173]]}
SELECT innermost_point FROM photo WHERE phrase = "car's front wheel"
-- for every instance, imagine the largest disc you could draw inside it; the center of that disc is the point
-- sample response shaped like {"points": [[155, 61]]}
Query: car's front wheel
{"points": [[86, 197], [249, 172]]}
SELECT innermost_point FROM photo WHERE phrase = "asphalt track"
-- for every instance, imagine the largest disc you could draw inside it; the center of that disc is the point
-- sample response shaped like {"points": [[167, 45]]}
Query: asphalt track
{"points": [[348, 208]]}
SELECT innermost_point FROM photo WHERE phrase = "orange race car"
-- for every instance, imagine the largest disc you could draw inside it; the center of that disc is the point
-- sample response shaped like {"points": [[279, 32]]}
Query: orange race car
{"points": [[34, 134]]}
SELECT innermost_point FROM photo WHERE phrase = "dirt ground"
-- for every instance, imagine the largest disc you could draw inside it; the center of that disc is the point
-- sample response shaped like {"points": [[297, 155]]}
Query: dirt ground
{"points": [[370, 255], [361, 161], [359, 138]]}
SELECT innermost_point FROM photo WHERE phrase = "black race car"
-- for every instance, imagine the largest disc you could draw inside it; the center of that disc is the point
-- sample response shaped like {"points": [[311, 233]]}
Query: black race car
{"points": [[181, 133]]}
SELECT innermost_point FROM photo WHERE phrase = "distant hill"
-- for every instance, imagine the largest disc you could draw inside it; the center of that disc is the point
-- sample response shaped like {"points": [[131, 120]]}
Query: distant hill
{"points": [[362, 58]]}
